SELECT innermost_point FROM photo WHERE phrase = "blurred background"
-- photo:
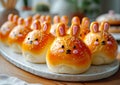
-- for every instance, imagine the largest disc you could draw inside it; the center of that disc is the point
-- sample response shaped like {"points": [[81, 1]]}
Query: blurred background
{"points": [[81, 8]]}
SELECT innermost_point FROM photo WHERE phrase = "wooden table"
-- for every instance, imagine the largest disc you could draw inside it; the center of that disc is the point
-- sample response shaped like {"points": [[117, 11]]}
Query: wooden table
{"points": [[10, 69]]}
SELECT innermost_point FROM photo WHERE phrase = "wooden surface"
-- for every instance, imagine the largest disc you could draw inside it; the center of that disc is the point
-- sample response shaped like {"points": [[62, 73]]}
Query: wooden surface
{"points": [[12, 70]]}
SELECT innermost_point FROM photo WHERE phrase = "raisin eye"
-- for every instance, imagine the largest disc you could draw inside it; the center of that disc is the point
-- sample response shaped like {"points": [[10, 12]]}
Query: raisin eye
{"points": [[28, 38], [84, 33], [80, 34], [20, 33], [74, 47], [62, 46], [36, 39], [96, 39], [108, 39]]}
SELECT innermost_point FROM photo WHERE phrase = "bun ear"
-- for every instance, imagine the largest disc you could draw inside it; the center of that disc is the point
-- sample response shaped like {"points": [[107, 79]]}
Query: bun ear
{"points": [[46, 27], [36, 17], [48, 18], [94, 27], [10, 17], [104, 26], [64, 19], [74, 30], [60, 30], [21, 21], [42, 18], [85, 22], [15, 18], [75, 20], [56, 19], [28, 21], [36, 25]]}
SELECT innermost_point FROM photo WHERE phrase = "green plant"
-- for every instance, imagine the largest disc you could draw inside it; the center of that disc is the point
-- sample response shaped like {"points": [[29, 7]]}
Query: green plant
{"points": [[90, 7], [42, 7], [25, 2]]}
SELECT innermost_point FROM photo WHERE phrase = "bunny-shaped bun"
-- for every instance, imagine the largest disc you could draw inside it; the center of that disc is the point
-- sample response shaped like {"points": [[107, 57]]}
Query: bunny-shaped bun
{"points": [[101, 43], [18, 34], [7, 27], [84, 28], [68, 54], [37, 42]]}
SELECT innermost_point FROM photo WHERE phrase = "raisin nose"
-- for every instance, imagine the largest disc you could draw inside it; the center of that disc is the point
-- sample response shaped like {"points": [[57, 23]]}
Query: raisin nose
{"points": [[30, 42], [68, 51], [103, 42]]}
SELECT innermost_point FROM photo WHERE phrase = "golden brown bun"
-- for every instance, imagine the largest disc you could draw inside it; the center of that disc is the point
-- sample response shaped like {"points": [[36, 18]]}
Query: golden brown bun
{"points": [[68, 54], [17, 35], [101, 43], [6, 29], [37, 42]]}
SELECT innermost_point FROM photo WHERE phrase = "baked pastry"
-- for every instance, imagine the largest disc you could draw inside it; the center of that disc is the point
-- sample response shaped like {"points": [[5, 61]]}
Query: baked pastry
{"points": [[113, 19], [101, 43], [37, 42], [56, 20], [84, 27], [18, 34], [68, 54], [6, 28]]}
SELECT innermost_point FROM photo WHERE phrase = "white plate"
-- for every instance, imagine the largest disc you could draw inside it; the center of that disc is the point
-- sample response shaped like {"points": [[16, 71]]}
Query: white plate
{"points": [[94, 73]]}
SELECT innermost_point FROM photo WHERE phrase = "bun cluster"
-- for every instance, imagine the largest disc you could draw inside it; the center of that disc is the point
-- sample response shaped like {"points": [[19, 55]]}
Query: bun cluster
{"points": [[65, 49]]}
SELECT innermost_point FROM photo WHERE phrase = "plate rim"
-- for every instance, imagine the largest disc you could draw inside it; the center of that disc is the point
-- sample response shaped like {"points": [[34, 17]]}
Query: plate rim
{"points": [[45, 74]]}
